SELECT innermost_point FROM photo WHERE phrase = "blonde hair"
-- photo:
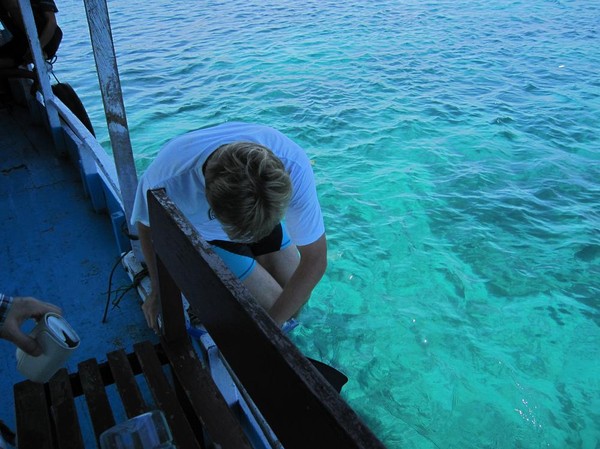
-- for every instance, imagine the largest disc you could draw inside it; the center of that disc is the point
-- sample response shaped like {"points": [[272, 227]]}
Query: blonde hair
{"points": [[248, 190]]}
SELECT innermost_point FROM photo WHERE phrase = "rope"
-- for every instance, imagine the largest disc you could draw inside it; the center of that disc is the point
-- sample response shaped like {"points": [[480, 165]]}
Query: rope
{"points": [[121, 291]]}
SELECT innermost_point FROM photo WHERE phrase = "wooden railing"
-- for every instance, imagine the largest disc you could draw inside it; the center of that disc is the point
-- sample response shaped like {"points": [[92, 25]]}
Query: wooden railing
{"points": [[302, 409]]}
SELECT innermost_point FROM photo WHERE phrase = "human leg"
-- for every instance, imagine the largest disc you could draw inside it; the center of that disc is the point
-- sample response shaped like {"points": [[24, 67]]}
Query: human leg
{"points": [[281, 264], [264, 267], [256, 278], [264, 288]]}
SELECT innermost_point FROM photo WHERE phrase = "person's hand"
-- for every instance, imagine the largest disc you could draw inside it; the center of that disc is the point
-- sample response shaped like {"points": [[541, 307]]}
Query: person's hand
{"points": [[22, 309], [151, 307]]}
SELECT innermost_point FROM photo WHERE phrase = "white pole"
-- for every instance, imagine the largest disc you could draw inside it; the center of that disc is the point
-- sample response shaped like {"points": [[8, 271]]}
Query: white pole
{"points": [[42, 74], [112, 97]]}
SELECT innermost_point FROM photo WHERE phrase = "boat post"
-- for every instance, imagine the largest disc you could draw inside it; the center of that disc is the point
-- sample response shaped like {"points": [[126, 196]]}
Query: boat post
{"points": [[42, 75], [114, 108]]}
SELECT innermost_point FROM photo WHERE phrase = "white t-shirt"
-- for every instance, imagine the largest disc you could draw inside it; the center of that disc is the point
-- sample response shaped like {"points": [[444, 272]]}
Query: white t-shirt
{"points": [[178, 169]]}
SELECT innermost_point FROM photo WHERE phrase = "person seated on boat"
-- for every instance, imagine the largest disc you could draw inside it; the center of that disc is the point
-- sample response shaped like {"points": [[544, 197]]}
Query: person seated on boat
{"points": [[16, 51], [14, 311], [236, 183]]}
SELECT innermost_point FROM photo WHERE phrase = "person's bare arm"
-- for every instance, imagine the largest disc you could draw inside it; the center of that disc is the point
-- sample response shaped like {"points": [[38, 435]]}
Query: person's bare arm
{"points": [[21, 309], [313, 262]]}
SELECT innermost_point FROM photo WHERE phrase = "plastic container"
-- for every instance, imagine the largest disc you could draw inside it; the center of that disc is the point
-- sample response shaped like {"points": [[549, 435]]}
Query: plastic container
{"points": [[147, 431], [57, 339]]}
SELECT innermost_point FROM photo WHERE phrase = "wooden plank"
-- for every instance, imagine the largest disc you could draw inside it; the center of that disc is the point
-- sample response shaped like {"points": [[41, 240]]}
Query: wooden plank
{"points": [[114, 108], [165, 396], [95, 396], [288, 390], [172, 315], [128, 389], [205, 398], [63, 411], [34, 430]]}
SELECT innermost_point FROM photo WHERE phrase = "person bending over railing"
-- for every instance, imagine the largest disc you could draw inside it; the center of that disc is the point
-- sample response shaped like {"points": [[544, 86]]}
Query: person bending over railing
{"points": [[237, 183]]}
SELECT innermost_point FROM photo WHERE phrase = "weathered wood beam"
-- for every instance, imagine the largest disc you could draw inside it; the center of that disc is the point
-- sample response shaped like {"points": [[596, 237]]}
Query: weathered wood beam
{"points": [[303, 410]]}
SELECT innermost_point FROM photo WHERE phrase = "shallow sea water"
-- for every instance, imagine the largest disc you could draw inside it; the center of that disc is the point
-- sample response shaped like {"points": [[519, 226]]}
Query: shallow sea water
{"points": [[455, 146]]}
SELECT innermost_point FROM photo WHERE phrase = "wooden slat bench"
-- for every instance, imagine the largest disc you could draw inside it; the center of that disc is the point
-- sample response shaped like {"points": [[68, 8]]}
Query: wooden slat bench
{"points": [[299, 405], [48, 417]]}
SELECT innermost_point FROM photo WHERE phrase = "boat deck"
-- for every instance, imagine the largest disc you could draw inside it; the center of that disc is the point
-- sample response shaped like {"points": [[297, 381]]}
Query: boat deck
{"points": [[56, 248]]}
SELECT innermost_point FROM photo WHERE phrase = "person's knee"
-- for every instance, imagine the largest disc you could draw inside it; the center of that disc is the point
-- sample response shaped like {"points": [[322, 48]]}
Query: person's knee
{"points": [[281, 264]]}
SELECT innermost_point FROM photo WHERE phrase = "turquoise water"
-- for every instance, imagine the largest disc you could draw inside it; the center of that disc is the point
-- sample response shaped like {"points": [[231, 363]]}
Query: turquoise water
{"points": [[455, 145]]}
